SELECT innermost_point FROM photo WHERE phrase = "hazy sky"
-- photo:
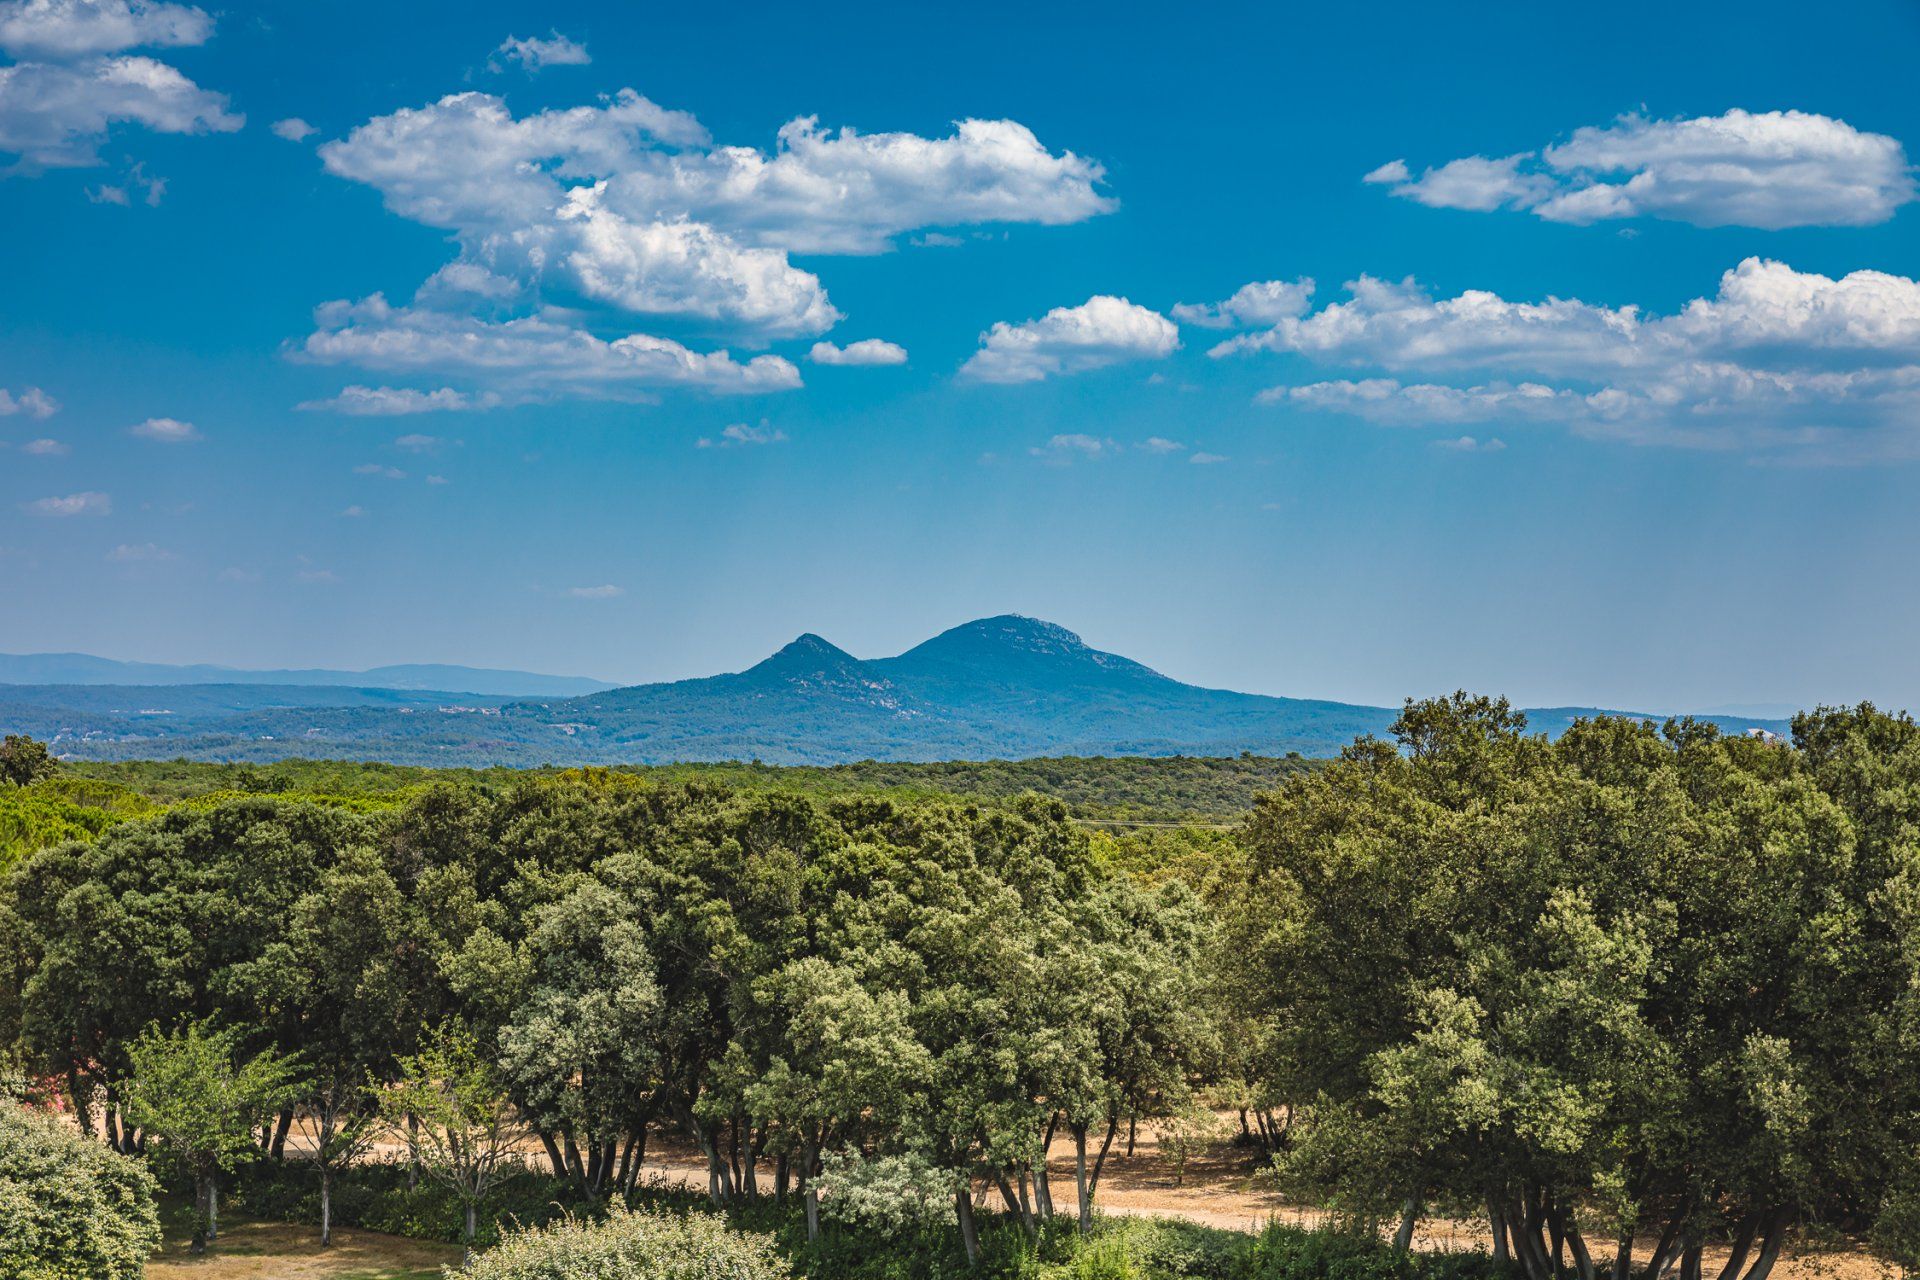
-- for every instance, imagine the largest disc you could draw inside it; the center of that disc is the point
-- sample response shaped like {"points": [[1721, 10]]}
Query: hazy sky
{"points": [[1337, 350]]}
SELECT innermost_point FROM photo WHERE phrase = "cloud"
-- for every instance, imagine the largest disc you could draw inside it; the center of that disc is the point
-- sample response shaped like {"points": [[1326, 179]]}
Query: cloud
{"points": [[1467, 444], [1160, 444], [678, 267], [627, 208], [56, 115], [1100, 331], [530, 354], [740, 435], [1062, 449], [438, 480], [533, 53], [1776, 360], [867, 351], [605, 591], [1204, 459], [414, 442], [379, 469], [43, 448], [361, 401], [31, 401], [354, 512], [293, 129], [73, 504], [166, 431], [316, 577], [1769, 169], [67, 29], [1261, 303], [140, 553], [842, 191]]}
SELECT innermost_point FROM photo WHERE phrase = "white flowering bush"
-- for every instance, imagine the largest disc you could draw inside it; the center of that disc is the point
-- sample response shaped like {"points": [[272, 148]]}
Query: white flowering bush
{"points": [[888, 1193], [631, 1246]]}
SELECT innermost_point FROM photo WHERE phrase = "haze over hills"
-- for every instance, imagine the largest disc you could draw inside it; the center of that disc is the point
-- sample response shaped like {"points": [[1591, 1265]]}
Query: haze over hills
{"points": [[1002, 687], [84, 668]]}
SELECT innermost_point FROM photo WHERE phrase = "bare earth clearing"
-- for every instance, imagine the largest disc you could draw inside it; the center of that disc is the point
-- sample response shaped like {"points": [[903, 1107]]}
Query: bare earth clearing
{"points": [[1221, 1188]]}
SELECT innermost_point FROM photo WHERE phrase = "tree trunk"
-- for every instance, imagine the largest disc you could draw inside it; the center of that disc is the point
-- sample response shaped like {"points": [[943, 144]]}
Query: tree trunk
{"points": [[807, 1159], [1409, 1218], [1497, 1224], [326, 1205], [213, 1206], [554, 1158], [781, 1177], [1663, 1250], [969, 1238], [280, 1131], [1577, 1245], [1776, 1235], [466, 1239], [199, 1245], [1742, 1245], [1080, 1178], [639, 1159], [1623, 1256], [413, 1151]]}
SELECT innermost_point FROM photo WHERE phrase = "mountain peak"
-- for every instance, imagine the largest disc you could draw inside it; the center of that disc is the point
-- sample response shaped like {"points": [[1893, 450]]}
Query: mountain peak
{"points": [[1012, 647], [807, 654]]}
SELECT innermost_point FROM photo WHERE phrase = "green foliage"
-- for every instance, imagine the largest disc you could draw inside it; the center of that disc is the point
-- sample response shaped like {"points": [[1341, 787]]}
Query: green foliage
{"points": [[193, 1091], [634, 1246], [24, 761], [68, 1206]]}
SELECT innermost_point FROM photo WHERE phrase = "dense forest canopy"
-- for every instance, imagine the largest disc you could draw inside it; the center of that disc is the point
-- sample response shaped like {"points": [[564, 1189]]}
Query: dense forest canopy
{"points": [[1623, 996]]}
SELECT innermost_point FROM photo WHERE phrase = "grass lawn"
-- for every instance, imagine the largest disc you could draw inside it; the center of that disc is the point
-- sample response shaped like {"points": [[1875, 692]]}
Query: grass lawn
{"points": [[250, 1250]]}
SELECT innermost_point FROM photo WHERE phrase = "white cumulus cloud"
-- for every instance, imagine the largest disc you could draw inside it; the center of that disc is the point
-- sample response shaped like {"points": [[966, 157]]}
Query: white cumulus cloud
{"points": [[67, 29], [628, 208], [293, 129], [1777, 359], [166, 431], [529, 354], [360, 401], [533, 53], [867, 351], [31, 401], [72, 504], [1101, 331], [1769, 169], [54, 115], [1263, 302]]}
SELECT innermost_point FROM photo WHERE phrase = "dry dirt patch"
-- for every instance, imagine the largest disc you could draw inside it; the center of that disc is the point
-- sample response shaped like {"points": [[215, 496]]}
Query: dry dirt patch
{"points": [[249, 1250]]}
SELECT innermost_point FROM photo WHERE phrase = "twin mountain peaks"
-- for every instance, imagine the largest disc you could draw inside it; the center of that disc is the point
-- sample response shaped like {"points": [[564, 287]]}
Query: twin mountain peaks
{"points": [[1005, 687]]}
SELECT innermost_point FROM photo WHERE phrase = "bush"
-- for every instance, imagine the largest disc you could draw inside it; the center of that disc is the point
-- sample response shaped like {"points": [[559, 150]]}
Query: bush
{"points": [[634, 1246], [68, 1206]]}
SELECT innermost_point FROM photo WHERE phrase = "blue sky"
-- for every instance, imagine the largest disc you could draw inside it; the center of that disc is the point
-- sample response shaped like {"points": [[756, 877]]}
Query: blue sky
{"points": [[1642, 430]]}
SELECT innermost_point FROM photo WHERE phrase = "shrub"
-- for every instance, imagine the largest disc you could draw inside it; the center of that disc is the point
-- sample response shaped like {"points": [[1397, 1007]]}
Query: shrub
{"points": [[634, 1246], [70, 1207]]}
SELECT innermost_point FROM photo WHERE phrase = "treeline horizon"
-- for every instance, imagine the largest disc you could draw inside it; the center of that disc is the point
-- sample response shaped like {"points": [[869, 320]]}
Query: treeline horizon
{"points": [[1634, 982]]}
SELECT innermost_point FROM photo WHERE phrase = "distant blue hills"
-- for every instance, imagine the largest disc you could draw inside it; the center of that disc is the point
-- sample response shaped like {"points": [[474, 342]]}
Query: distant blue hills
{"points": [[1007, 687]]}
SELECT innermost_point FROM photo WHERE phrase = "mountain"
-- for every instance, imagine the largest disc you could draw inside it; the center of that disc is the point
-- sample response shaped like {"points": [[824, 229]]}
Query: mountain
{"points": [[997, 688], [84, 668]]}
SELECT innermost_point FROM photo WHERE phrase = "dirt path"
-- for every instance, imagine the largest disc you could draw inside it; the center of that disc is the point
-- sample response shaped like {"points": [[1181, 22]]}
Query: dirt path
{"points": [[1221, 1187]]}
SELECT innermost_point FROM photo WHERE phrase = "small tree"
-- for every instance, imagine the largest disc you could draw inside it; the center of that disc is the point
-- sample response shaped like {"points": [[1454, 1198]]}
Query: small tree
{"points": [[24, 760], [70, 1207], [343, 1131], [467, 1128], [189, 1090]]}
